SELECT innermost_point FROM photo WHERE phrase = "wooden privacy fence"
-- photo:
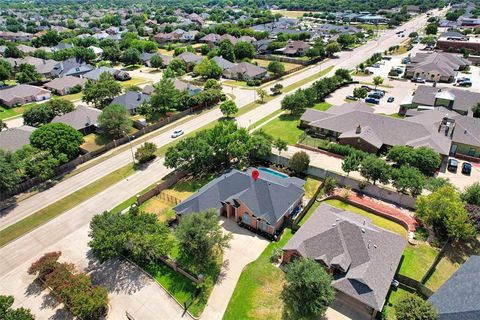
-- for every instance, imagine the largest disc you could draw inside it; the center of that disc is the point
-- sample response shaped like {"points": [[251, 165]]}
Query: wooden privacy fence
{"points": [[69, 166], [160, 187], [287, 59], [309, 205], [417, 285]]}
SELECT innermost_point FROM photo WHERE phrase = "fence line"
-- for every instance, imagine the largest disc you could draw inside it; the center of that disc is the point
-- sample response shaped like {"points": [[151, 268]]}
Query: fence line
{"points": [[309, 205], [160, 187], [435, 262], [287, 59], [417, 285]]}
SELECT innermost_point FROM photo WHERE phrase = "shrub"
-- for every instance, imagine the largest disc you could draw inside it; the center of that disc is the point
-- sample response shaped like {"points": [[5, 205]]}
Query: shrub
{"points": [[276, 254], [253, 82], [146, 152], [329, 184]]}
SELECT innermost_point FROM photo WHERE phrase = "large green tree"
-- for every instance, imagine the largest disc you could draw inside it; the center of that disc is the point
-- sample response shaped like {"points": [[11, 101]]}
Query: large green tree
{"points": [[10, 177], [27, 73], [228, 108], [412, 307], [165, 98], [244, 50], [307, 291], [408, 179], [299, 162], [201, 239], [276, 67], [471, 194], [9, 313], [375, 169], [40, 114], [445, 211], [60, 139], [100, 93], [208, 69], [114, 121], [5, 70], [226, 50]]}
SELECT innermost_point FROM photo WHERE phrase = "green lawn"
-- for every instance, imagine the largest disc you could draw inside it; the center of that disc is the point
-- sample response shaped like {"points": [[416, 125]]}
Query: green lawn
{"points": [[284, 127], [311, 186], [393, 298], [134, 82], [416, 260], [376, 220], [10, 112], [72, 97], [322, 106]]}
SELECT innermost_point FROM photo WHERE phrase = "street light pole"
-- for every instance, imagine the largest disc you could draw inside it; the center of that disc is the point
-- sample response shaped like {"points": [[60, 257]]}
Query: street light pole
{"points": [[131, 148]]}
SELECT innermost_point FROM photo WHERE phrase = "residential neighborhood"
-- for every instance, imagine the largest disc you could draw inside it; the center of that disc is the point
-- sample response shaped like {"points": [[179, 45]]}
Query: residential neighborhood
{"points": [[239, 160]]}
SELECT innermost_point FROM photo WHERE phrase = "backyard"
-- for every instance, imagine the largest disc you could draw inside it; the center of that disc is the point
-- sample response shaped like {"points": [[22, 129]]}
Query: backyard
{"points": [[285, 127], [264, 64]]}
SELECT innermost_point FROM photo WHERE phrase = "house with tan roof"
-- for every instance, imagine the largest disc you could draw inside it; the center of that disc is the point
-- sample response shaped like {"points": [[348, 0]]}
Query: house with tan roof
{"points": [[436, 66], [62, 86], [23, 94], [83, 119], [244, 71]]}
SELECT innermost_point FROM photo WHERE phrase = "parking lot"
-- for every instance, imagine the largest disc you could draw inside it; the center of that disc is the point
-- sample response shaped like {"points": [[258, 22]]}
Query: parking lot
{"points": [[459, 179]]}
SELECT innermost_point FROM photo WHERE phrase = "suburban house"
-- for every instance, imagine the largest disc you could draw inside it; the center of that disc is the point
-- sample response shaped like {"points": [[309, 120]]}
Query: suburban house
{"points": [[189, 58], [244, 71], [146, 57], [222, 63], [83, 119], [62, 86], [22, 94], [426, 97], [361, 257], [131, 100], [117, 74], [295, 48], [437, 66], [458, 298], [262, 205], [71, 67], [98, 51], [212, 38], [45, 68], [16, 36], [355, 124], [12, 139]]}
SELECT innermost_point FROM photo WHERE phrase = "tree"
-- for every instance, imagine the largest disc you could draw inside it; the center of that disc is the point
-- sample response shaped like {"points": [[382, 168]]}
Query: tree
{"points": [[262, 93], [276, 67], [280, 145], [40, 114], [351, 162], [343, 74], [307, 291], [165, 97], [445, 211], [100, 93], [429, 40], [332, 47], [212, 84], [401, 155], [431, 28], [177, 66], [208, 69], [375, 169], [112, 53], [299, 162], [244, 50], [84, 54], [130, 56], [413, 35], [296, 103], [11, 51], [377, 80], [60, 139], [276, 89], [408, 178], [156, 62], [41, 164], [8, 313], [5, 70], [146, 152], [226, 50], [476, 110], [471, 194], [10, 177], [114, 121], [201, 238], [426, 160], [27, 74], [360, 93], [228, 108], [346, 39], [139, 236], [412, 307]]}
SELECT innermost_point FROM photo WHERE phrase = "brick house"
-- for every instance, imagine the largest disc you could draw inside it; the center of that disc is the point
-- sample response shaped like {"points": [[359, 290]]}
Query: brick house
{"points": [[262, 205]]}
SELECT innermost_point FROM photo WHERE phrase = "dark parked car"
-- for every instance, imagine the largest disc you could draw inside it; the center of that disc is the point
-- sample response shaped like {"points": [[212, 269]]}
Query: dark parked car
{"points": [[372, 100], [467, 168], [465, 83], [452, 165], [390, 99], [367, 88]]}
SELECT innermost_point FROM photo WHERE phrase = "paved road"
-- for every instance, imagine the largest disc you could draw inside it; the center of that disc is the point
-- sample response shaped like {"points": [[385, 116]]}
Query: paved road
{"points": [[69, 232]]}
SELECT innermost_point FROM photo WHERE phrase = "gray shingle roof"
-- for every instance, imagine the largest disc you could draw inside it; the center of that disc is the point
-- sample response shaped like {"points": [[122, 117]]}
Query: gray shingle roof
{"points": [[13, 139], [464, 100], [269, 197], [222, 62], [131, 100], [459, 297], [79, 118], [443, 63], [64, 83], [366, 255]]}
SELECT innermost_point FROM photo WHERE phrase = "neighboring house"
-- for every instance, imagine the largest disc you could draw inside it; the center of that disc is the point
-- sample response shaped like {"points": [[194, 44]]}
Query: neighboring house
{"points": [[71, 67], [295, 48], [98, 51], [188, 36], [228, 37], [62, 86], [244, 71], [457, 42], [437, 66], [117, 74], [262, 45], [62, 46], [426, 97], [458, 298], [83, 119], [373, 19], [263, 205], [146, 57], [13, 139], [179, 85], [16, 36], [44, 67], [211, 38], [22, 94], [189, 58], [131, 100], [355, 124], [222, 63], [361, 257], [26, 49]]}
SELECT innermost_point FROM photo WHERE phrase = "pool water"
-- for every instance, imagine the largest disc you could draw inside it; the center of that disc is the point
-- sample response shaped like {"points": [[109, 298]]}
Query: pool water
{"points": [[273, 172]]}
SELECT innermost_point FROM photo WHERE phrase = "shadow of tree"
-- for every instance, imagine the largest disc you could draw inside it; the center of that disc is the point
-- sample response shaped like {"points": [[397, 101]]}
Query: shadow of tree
{"points": [[61, 314], [117, 275], [34, 289], [459, 252]]}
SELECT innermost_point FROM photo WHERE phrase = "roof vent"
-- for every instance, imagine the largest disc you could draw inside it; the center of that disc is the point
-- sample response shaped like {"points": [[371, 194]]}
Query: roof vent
{"points": [[375, 246], [465, 132], [337, 219], [359, 130], [334, 224], [363, 230]]}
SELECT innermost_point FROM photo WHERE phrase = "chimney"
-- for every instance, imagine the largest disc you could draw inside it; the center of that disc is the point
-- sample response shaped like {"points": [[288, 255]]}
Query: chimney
{"points": [[139, 96], [359, 129]]}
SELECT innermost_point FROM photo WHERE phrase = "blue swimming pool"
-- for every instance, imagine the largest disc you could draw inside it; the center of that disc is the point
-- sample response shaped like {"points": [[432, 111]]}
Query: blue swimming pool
{"points": [[273, 172]]}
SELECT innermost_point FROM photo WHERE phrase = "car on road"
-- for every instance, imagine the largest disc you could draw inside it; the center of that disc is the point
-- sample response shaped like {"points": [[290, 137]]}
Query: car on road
{"points": [[177, 133], [390, 99], [452, 165], [372, 100], [467, 168], [376, 65], [387, 58], [465, 83], [349, 97]]}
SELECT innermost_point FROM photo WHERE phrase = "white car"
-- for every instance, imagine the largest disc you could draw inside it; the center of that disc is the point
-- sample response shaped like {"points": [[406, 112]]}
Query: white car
{"points": [[177, 133]]}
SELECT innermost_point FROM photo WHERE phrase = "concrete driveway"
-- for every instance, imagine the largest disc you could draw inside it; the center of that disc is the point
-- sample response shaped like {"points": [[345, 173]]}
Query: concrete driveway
{"points": [[245, 247]]}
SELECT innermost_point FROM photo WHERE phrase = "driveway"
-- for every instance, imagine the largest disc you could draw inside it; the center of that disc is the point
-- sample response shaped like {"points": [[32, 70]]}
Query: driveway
{"points": [[245, 247]]}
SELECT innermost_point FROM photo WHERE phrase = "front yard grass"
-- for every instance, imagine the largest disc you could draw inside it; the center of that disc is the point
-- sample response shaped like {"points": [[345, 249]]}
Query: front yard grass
{"points": [[72, 97], [134, 82], [264, 64], [284, 127], [6, 113]]}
